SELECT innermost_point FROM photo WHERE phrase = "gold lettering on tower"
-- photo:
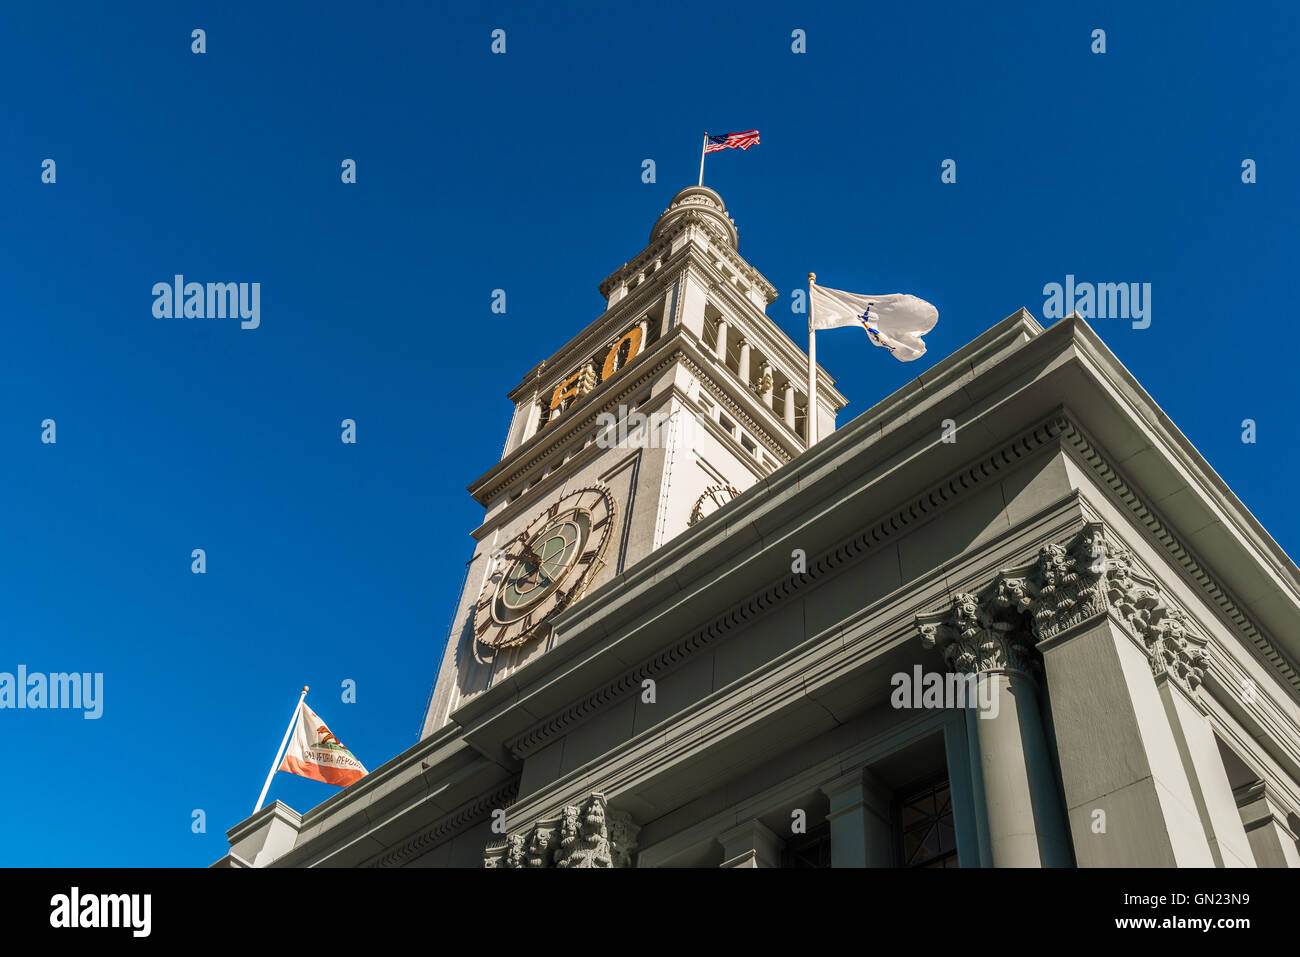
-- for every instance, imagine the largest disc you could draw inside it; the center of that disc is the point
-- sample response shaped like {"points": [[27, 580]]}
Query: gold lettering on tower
{"points": [[574, 387], [612, 365], [584, 379]]}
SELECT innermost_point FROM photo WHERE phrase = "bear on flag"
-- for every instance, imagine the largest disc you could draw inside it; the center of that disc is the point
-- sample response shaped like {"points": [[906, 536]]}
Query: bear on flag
{"points": [[315, 753]]}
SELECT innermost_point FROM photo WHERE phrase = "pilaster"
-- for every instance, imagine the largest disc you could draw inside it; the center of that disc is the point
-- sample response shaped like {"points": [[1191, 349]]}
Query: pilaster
{"points": [[751, 844], [862, 832], [1142, 785], [1273, 839]]}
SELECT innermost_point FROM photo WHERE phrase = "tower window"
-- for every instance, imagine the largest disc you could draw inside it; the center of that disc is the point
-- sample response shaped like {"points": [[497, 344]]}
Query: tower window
{"points": [[726, 423], [653, 320]]}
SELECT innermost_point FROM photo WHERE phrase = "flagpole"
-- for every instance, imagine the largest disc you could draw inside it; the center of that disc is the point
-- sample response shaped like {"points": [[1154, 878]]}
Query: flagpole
{"points": [[703, 147], [279, 754], [810, 426]]}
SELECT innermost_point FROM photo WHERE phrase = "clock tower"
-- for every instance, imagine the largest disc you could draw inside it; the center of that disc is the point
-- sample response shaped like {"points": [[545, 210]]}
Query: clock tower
{"points": [[679, 397]]}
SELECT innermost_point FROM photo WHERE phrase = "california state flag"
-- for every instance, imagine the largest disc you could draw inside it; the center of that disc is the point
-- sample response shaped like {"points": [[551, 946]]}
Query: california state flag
{"points": [[315, 753]]}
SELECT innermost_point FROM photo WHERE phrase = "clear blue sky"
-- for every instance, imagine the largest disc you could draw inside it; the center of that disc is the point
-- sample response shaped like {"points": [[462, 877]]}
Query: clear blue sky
{"points": [[522, 172]]}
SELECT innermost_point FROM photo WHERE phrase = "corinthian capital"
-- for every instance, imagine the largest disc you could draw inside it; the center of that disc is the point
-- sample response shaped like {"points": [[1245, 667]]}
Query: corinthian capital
{"points": [[996, 628], [972, 639], [1094, 574], [1173, 650]]}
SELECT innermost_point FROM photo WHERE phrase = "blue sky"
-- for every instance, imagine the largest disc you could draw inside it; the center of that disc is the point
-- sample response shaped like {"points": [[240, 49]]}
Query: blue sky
{"points": [[522, 172]]}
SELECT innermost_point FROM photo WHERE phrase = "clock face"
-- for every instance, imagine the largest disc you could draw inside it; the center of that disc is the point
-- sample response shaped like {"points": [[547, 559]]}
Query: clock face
{"points": [[714, 497], [546, 568]]}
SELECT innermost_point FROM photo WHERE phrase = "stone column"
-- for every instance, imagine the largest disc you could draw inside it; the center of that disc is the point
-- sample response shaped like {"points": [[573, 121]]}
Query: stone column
{"points": [[720, 347], [788, 404], [751, 844], [862, 830], [1272, 839], [743, 371], [1208, 778], [766, 385], [1104, 630], [1012, 779]]}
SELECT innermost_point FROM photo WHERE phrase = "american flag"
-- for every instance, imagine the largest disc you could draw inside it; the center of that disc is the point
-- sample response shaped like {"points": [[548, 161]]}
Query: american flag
{"points": [[731, 141]]}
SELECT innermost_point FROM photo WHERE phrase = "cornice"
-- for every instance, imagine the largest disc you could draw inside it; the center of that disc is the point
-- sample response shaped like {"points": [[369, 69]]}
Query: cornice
{"points": [[761, 602], [1059, 430], [1220, 597], [783, 449], [744, 269], [532, 497], [447, 827], [768, 336], [661, 248], [678, 344], [1202, 478], [547, 374], [276, 809], [577, 421]]}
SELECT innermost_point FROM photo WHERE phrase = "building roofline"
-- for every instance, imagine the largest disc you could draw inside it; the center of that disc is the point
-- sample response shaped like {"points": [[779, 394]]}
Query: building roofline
{"points": [[1044, 366]]}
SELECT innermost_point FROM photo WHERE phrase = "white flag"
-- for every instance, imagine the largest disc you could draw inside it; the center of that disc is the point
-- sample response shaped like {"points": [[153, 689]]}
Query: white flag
{"points": [[895, 321], [315, 753]]}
